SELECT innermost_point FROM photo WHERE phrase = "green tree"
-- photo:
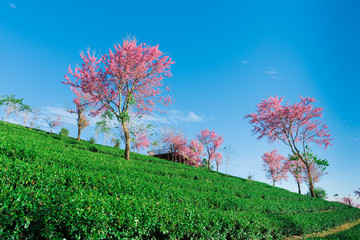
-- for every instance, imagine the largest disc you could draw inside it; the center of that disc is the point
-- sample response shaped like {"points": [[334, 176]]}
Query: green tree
{"points": [[116, 142], [64, 132], [11, 104], [92, 140], [319, 193], [104, 125], [25, 109]]}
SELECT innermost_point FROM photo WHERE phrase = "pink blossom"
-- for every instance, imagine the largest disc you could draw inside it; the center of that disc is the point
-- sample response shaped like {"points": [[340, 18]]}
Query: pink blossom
{"points": [[176, 142], [289, 123], [349, 201], [211, 142], [194, 153], [295, 125], [141, 140], [275, 166], [127, 79]]}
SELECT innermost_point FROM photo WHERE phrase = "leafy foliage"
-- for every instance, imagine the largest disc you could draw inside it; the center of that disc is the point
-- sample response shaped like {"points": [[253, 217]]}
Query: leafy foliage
{"points": [[105, 125], [319, 193], [12, 105], [92, 140], [54, 187], [64, 131], [25, 109]]}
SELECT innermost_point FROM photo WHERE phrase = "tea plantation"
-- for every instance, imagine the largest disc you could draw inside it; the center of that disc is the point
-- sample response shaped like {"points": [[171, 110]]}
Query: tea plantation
{"points": [[53, 187]]}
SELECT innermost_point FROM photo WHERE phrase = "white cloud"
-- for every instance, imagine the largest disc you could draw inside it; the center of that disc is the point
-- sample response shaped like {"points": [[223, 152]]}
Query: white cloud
{"points": [[244, 62], [192, 117], [66, 117], [175, 116], [13, 6], [273, 73]]}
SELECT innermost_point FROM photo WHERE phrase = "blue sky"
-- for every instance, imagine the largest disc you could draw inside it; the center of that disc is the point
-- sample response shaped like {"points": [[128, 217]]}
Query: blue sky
{"points": [[229, 56]]}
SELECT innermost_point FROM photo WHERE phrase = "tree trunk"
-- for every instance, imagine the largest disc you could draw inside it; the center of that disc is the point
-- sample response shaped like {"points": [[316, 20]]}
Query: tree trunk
{"points": [[311, 184], [79, 133], [297, 181], [273, 183], [208, 163], [217, 167], [6, 120], [79, 127], [127, 140]]}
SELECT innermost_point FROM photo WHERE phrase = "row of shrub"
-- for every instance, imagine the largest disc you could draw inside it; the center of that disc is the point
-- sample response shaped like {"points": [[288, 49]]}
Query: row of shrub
{"points": [[55, 187]]}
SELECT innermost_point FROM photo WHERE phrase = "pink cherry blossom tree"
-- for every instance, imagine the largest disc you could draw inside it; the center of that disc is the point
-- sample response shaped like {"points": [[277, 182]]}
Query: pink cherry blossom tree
{"points": [[218, 160], [296, 168], [211, 142], [275, 166], [295, 125], [194, 153], [82, 102], [130, 77], [176, 143], [349, 201], [53, 123]]}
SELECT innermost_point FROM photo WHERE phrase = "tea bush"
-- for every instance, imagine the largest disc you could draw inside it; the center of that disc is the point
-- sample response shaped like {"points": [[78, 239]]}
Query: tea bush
{"points": [[61, 188]]}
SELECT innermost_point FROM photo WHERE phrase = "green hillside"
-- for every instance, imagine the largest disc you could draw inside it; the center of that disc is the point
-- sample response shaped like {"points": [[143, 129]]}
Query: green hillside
{"points": [[53, 187]]}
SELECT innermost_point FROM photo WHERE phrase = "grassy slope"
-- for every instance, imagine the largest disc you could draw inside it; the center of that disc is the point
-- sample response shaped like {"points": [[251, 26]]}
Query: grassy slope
{"points": [[54, 187]]}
